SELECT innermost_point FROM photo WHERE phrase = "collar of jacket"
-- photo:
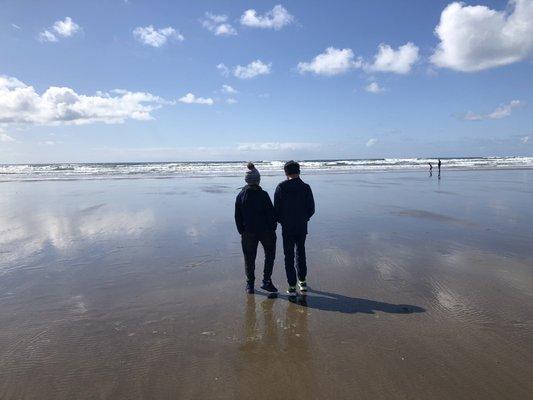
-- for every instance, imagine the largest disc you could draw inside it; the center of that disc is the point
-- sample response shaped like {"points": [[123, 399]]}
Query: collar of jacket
{"points": [[252, 187]]}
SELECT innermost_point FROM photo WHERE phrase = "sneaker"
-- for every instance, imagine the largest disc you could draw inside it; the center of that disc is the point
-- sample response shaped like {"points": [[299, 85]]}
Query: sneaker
{"points": [[269, 286], [302, 285], [250, 288], [291, 291]]}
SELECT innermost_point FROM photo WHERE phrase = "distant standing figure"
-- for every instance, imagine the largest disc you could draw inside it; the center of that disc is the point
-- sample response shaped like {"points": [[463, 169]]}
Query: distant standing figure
{"points": [[439, 167], [430, 169], [255, 218], [294, 206]]}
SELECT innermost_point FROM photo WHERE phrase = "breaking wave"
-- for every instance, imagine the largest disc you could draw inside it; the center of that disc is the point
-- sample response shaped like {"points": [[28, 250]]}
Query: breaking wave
{"points": [[10, 172]]}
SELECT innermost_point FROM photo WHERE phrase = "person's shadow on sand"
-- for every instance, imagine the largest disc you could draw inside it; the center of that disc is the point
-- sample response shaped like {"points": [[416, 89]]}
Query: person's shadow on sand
{"points": [[348, 305]]}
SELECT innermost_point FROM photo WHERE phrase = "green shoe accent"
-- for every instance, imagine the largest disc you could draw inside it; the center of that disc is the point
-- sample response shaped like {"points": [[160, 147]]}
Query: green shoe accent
{"points": [[291, 291]]}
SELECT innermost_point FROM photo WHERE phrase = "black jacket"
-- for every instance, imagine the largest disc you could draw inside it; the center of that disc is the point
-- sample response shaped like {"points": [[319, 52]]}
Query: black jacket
{"points": [[254, 212], [294, 205]]}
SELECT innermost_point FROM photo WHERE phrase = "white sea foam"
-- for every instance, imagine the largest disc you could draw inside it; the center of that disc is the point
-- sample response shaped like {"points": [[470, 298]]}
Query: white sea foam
{"points": [[9, 172]]}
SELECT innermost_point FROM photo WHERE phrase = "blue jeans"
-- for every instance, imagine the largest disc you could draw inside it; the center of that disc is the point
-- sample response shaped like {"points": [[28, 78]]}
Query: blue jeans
{"points": [[290, 243]]}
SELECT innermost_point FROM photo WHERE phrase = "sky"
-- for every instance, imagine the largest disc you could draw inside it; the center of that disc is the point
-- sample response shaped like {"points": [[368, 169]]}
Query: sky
{"points": [[117, 80]]}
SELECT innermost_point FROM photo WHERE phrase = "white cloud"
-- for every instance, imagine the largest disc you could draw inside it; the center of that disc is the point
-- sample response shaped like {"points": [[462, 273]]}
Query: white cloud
{"points": [[47, 36], [8, 82], [501, 112], [5, 138], [525, 139], [504, 110], [150, 36], [218, 24], [276, 146], [472, 116], [276, 18], [21, 104], [231, 100], [190, 98], [371, 142], [228, 89], [332, 62], [255, 68], [398, 61], [373, 87], [216, 18], [473, 38], [223, 69], [65, 28]]}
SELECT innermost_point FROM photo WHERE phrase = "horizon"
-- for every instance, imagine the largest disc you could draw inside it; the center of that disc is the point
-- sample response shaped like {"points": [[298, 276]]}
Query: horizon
{"points": [[141, 82], [269, 161]]}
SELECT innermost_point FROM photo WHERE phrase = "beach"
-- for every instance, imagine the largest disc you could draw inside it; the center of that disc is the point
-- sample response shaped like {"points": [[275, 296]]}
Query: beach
{"points": [[420, 288]]}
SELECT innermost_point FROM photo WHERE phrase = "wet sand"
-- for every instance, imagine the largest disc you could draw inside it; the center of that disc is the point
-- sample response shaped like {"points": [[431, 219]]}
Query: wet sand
{"points": [[133, 289]]}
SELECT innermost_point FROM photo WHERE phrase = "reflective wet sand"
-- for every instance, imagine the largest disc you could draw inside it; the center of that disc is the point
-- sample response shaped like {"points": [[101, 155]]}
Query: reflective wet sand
{"points": [[133, 289]]}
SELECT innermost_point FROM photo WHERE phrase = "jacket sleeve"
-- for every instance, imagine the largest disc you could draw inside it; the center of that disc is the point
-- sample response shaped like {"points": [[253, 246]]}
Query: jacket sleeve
{"points": [[271, 212], [310, 203], [277, 204], [238, 215]]}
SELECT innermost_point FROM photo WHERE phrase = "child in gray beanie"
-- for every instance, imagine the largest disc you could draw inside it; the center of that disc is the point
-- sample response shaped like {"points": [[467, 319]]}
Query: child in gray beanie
{"points": [[256, 222], [252, 176]]}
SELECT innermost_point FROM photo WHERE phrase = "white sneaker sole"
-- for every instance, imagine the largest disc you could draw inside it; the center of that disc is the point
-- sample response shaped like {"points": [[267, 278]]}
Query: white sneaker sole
{"points": [[301, 289]]}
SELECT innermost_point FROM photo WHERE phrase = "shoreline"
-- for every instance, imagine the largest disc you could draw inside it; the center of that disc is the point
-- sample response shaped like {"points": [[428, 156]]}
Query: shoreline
{"points": [[266, 173]]}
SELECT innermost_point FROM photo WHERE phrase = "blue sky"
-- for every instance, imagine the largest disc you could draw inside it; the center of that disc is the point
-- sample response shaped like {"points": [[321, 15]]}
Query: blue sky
{"points": [[304, 79]]}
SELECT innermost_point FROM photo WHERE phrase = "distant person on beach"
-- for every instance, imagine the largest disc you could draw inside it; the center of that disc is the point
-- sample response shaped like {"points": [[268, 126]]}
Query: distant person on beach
{"points": [[255, 218], [439, 167], [430, 169], [294, 206]]}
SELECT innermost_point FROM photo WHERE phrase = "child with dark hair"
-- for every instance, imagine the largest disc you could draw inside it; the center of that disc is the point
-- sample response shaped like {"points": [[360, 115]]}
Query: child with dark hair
{"points": [[295, 205]]}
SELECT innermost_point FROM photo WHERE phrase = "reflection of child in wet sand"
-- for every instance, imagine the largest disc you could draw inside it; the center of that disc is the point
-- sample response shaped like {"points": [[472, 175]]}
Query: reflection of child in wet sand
{"points": [[273, 342]]}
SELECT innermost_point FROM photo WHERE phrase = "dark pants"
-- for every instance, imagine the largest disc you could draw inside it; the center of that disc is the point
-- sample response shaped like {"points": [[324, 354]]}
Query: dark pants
{"points": [[289, 243], [249, 242]]}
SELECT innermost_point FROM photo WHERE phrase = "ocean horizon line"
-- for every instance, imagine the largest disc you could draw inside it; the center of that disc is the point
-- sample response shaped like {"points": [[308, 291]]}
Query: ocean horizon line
{"points": [[124, 170], [214, 161]]}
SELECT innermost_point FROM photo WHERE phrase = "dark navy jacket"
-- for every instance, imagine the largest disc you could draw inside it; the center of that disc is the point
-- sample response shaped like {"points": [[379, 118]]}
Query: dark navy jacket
{"points": [[294, 205], [254, 212]]}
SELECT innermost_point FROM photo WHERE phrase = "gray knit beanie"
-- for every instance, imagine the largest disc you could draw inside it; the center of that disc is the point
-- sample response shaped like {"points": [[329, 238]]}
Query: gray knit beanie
{"points": [[252, 176]]}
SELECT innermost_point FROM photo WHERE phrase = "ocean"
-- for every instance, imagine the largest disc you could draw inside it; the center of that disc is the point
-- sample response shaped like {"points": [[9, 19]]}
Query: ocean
{"points": [[74, 171]]}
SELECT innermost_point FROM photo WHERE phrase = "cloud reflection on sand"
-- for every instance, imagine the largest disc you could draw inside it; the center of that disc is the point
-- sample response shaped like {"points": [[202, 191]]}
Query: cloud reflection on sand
{"points": [[27, 235]]}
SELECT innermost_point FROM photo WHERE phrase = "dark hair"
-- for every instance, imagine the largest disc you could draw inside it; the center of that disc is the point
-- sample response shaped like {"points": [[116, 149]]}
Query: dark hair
{"points": [[291, 167], [250, 165]]}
